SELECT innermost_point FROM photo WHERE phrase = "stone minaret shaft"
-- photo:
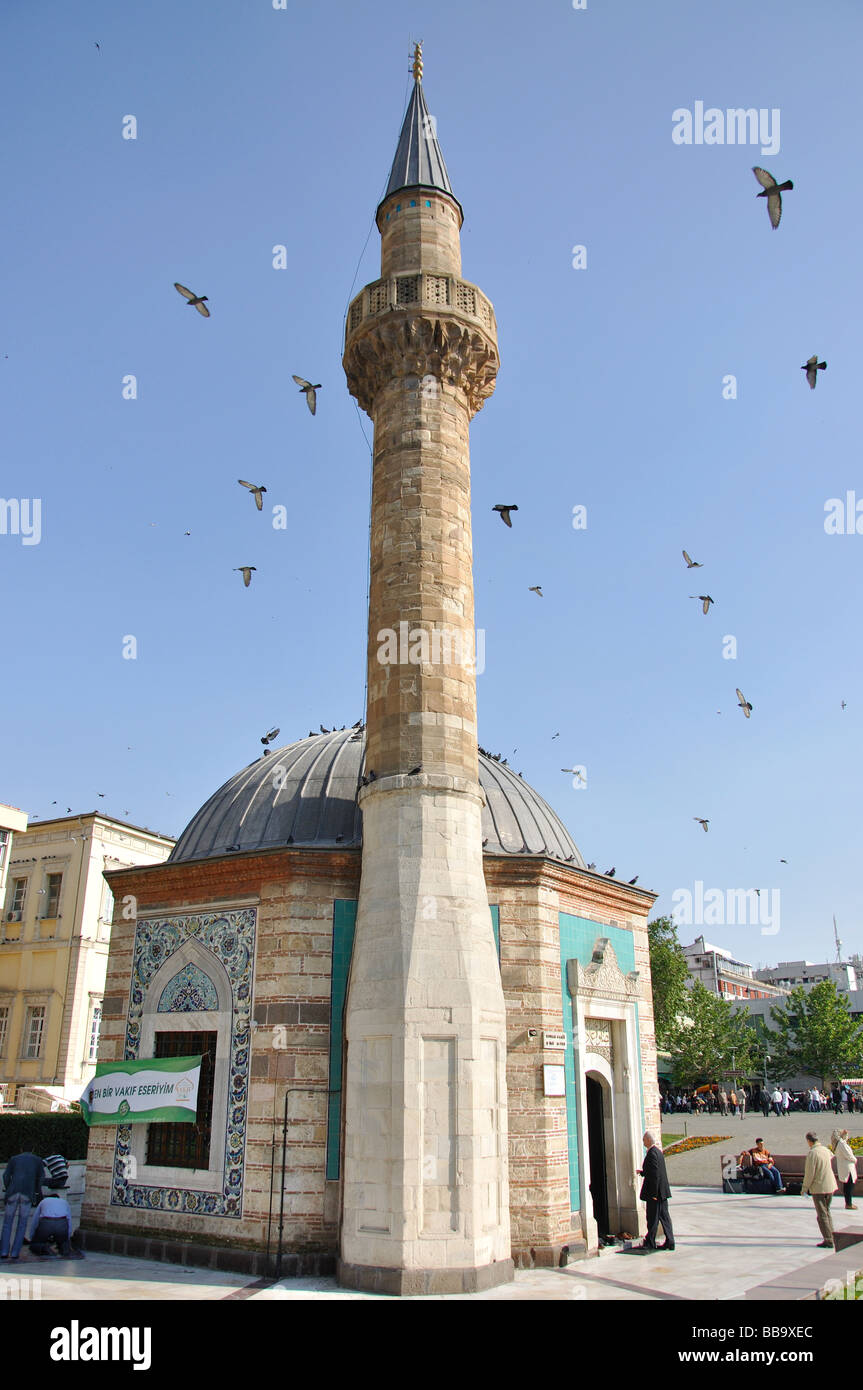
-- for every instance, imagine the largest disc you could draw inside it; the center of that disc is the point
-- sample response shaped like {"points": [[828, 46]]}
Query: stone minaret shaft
{"points": [[426, 1202]]}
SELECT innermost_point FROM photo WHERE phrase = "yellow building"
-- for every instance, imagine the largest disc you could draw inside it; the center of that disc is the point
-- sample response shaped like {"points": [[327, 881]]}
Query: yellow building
{"points": [[54, 935]]}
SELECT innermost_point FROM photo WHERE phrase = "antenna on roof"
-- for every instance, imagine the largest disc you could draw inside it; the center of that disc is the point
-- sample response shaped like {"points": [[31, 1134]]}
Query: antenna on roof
{"points": [[838, 942]]}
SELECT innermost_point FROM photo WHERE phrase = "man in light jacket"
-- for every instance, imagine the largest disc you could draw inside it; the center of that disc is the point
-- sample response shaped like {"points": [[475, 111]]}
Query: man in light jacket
{"points": [[819, 1182], [846, 1165]]}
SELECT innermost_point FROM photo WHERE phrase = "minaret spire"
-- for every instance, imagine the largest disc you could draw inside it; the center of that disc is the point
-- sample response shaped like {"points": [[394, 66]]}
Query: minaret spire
{"points": [[426, 1188], [418, 61]]}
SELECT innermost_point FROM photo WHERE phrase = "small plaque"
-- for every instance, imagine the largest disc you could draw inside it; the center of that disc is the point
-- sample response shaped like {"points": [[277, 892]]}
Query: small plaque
{"points": [[553, 1079], [554, 1042]]}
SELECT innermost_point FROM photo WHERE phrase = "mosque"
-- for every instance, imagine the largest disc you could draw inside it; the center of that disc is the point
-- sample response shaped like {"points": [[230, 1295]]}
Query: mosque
{"points": [[426, 1025]]}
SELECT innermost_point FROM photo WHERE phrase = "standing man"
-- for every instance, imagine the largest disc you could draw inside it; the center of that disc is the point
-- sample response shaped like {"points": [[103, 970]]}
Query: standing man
{"points": [[776, 1098], [819, 1182], [22, 1180], [655, 1192]]}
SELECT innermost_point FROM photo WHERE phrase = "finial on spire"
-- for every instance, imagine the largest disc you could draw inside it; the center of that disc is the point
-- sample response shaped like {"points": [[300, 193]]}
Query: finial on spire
{"points": [[418, 61]]}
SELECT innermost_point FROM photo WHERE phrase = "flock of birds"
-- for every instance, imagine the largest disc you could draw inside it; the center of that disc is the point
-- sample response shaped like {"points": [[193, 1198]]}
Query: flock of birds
{"points": [[772, 191], [308, 389]]}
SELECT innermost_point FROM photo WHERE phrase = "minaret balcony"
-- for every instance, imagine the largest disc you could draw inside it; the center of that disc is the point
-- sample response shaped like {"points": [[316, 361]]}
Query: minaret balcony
{"points": [[420, 291]]}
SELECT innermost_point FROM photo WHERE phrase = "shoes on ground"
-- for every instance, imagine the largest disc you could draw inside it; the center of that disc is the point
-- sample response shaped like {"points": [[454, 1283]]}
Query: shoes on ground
{"points": [[666, 1246], [825, 1245], [852, 1206]]}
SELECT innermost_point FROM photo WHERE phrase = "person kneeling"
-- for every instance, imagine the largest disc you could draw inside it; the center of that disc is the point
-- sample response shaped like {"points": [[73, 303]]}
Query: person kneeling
{"points": [[52, 1225]]}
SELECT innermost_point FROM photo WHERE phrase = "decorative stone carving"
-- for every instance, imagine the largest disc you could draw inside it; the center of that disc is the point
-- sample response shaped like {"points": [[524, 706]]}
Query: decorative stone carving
{"points": [[597, 1038], [421, 344], [603, 977]]}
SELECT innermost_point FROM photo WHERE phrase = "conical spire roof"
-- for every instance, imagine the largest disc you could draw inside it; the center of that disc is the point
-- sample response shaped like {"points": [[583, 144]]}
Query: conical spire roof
{"points": [[418, 162]]}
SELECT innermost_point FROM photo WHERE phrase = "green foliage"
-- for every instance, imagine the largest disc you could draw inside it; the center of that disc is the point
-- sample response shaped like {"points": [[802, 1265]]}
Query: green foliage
{"points": [[712, 1040], [43, 1134], [668, 973], [815, 1033]]}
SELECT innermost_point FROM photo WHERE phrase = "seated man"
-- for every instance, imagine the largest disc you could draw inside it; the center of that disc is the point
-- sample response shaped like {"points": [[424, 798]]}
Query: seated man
{"points": [[761, 1161], [52, 1224]]}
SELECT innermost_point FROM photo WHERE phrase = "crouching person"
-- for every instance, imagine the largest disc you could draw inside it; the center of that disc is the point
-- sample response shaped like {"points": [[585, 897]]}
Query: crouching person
{"points": [[52, 1225]]}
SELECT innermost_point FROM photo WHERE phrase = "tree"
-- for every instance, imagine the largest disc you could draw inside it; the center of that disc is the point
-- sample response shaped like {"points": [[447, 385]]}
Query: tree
{"points": [[668, 975], [711, 1040], [815, 1033]]}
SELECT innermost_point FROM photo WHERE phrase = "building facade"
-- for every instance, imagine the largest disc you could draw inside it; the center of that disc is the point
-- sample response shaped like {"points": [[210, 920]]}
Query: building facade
{"points": [[788, 974], [54, 938], [426, 1026], [719, 972]]}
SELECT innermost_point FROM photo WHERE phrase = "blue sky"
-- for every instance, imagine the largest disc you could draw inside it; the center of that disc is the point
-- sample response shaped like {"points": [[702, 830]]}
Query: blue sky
{"points": [[259, 127]]}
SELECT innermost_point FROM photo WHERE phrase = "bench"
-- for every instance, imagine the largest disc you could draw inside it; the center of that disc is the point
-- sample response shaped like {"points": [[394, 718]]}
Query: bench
{"points": [[791, 1167]]}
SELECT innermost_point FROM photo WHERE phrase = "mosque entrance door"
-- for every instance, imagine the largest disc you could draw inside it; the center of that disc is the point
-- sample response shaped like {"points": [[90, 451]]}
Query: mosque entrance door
{"points": [[596, 1119]]}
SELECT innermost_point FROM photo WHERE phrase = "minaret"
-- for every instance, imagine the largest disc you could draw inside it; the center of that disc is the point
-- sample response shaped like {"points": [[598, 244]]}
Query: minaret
{"points": [[426, 1193]]}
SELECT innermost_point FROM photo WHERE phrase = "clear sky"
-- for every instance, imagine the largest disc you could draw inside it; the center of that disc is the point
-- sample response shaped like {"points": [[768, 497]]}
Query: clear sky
{"points": [[259, 127]]}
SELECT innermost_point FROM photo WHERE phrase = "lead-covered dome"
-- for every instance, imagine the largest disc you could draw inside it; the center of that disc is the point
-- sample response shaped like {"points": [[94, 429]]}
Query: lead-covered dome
{"points": [[305, 795]]}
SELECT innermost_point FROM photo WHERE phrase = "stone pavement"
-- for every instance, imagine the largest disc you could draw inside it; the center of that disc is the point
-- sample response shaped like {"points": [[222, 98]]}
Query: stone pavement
{"points": [[726, 1245], [787, 1135]]}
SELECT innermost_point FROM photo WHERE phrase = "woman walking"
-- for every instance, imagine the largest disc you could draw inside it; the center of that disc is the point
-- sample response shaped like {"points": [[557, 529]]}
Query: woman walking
{"points": [[846, 1165]]}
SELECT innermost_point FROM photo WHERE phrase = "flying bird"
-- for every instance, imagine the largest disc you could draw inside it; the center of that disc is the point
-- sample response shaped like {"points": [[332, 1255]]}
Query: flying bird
{"points": [[706, 601], [268, 738], [690, 563], [246, 571], [256, 491], [536, 589], [783, 861], [772, 192], [308, 390], [505, 511], [98, 45], [812, 367], [744, 703], [195, 301], [554, 736], [843, 704], [702, 822]]}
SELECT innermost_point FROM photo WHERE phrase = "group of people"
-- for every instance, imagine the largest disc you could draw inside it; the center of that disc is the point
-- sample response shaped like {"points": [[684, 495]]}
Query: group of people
{"points": [[841, 1098], [31, 1185], [776, 1100], [818, 1182]]}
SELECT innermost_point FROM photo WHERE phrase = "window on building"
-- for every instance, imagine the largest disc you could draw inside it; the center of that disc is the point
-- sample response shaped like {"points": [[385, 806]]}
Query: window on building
{"points": [[34, 1028], [4, 847], [19, 889], [184, 1145], [106, 913], [4, 1027], [53, 886], [93, 1038]]}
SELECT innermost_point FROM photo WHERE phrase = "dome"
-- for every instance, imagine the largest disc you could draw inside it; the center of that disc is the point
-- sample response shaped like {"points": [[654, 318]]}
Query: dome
{"points": [[312, 804]]}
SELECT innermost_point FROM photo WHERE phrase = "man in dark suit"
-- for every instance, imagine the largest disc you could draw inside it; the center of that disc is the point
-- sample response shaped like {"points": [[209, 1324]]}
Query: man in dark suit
{"points": [[655, 1192]]}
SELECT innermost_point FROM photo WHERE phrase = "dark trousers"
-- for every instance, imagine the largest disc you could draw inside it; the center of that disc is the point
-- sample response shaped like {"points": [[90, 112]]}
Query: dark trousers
{"points": [[657, 1210], [848, 1190], [51, 1230]]}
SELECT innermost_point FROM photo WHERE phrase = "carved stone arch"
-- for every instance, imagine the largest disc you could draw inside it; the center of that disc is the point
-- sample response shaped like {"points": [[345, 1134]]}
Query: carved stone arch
{"points": [[190, 953]]}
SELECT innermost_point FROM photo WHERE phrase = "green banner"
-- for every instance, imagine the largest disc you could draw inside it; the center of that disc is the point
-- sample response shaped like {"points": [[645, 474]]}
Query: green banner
{"points": [[137, 1093]]}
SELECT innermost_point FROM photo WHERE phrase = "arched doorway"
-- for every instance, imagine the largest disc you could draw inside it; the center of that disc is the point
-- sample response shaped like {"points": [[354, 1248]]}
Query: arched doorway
{"points": [[596, 1142]]}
